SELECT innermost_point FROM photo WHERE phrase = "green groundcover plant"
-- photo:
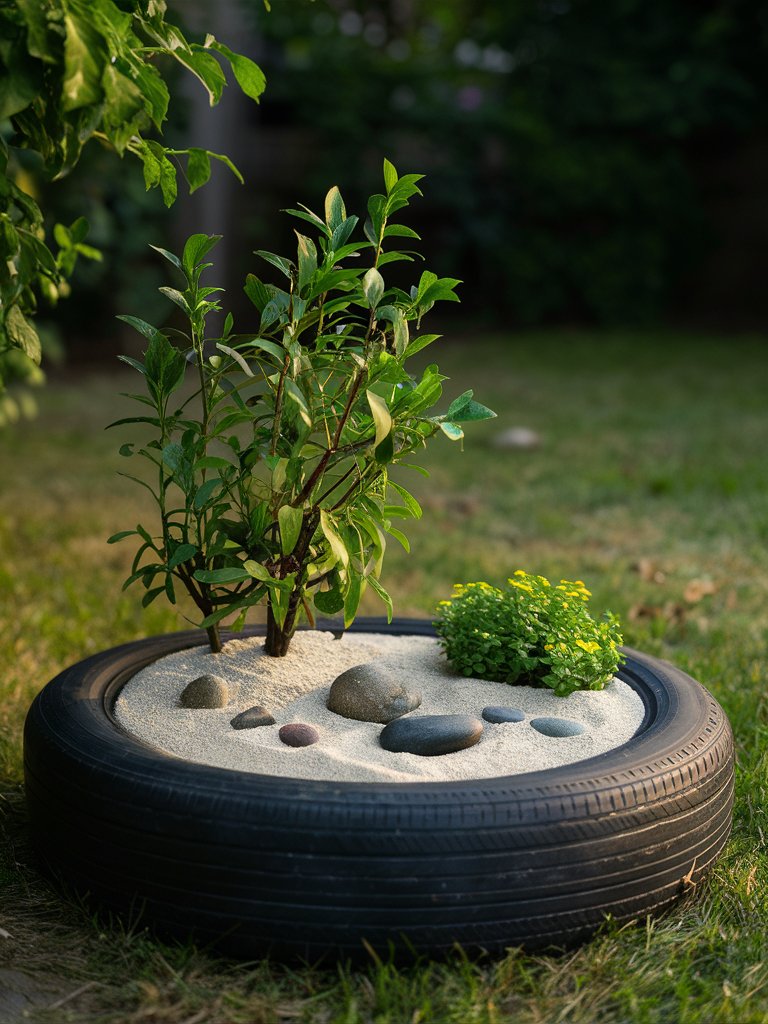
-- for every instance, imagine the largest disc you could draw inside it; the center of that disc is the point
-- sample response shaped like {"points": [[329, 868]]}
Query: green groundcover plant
{"points": [[531, 633], [277, 487]]}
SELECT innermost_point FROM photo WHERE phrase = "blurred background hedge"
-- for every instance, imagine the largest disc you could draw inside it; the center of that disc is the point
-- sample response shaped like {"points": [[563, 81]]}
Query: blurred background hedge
{"points": [[588, 161]]}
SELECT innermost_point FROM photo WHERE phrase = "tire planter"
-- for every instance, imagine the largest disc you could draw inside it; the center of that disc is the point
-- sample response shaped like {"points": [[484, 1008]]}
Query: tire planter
{"points": [[255, 864]]}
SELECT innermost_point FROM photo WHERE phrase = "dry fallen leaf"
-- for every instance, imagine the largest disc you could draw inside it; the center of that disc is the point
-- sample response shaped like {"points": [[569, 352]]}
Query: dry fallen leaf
{"points": [[672, 612], [649, 571], [698, 589]]}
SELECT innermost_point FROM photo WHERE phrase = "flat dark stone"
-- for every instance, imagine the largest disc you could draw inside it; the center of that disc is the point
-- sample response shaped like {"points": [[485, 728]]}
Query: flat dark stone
{"points": [[430, 735], [557, 727], [251, 718], [298, 734], [499, 715]]}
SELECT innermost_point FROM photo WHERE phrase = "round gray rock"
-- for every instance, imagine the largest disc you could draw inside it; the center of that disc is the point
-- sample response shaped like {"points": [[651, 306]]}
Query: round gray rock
{"points": [[368, 694], [298, 734], [205, 692], [499, 715], [252, 718], [430, 735], [557, 727]]}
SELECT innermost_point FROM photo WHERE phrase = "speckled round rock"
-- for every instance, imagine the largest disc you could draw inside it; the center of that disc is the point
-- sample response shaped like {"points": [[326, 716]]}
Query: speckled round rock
{"points": [[499, 715], [298, 734], [205, 692], [557, 727], [252, 718], [365, 693], [430, 735]]}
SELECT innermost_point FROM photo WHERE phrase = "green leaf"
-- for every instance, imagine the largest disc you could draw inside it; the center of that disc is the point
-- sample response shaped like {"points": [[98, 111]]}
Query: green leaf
{"points": [[212, 462], [205, 68], [329, 602], [120, 536], [84, 57], [400, 537], [150, 596], [257, 292], [474, 411], [205, 491], [385, 452], [410, 502], [168, 181], [311, 218], [307, 258], [458, 404], [335, 542], [176, 297], [198, 168], [452, 431], [124, 107], [401, 231], [183, 553], [290, 520], [335, 211], [249, 75], [373, 287], [390, 176], [257, 571], [21, 334], [196, 248], [277, 261], [354, 592], [143, 328], [377, 588], [151, 154], [269, 346], [233, 354], [381, 417], [232, 575], [340, 236], [224, 159], [293, 392]]}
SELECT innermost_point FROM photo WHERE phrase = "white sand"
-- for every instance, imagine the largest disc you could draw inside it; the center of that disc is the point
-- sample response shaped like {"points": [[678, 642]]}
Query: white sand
{"points": [[295, 689]]}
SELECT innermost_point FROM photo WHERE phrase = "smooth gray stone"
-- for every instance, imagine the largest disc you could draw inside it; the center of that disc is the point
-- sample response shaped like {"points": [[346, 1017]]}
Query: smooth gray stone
{"points": [[557, 727], [251, 718], [367, 694], [429, 735], [499, 715], [205, 692], [298, 734]]}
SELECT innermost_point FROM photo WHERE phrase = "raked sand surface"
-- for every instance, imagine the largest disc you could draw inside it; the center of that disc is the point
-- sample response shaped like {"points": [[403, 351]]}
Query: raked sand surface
{"points": [[295, 689]]}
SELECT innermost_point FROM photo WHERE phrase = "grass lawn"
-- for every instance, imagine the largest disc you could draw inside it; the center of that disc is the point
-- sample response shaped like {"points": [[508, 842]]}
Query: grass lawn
{"points": [[649, 482]]}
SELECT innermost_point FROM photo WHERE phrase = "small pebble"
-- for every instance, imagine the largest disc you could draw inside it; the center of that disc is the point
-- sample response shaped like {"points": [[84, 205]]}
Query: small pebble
{"points": [[298, 734], [205, 692], [252, 718], [498, 715], [557, 727], [430, 735]]}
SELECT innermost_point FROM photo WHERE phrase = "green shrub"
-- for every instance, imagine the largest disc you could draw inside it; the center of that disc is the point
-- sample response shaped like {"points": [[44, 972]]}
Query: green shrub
{"points": [[272, 478], [531, 634]]}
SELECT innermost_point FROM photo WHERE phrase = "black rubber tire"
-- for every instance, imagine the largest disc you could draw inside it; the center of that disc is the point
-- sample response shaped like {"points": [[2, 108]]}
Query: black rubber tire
{"points": [[252, 864]]}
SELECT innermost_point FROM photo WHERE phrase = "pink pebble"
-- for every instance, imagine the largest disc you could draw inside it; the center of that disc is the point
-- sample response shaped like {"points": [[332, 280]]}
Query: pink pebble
{"points": [[297, 734]]}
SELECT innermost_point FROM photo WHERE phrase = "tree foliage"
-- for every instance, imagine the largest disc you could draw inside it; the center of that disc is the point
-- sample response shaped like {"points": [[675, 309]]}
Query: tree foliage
{"points": [[72, 71]]}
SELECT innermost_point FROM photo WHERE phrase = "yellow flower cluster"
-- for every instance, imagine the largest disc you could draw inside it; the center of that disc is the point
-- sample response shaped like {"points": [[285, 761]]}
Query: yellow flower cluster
{"points": [[530, 632]]}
